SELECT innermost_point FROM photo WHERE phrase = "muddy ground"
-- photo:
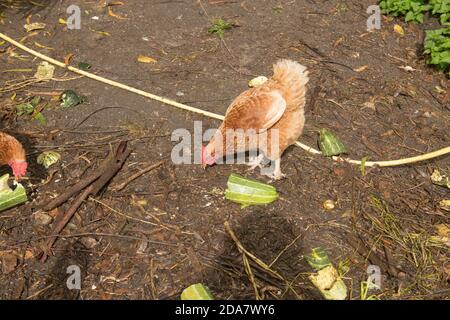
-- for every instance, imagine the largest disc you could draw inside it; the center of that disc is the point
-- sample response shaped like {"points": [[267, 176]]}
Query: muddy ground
{"points": [[165, 230]]}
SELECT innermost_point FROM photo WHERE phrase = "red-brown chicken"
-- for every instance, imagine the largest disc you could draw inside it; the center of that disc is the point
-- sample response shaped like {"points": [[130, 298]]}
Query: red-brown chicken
{"points": [[12, 153], [271, 114]]}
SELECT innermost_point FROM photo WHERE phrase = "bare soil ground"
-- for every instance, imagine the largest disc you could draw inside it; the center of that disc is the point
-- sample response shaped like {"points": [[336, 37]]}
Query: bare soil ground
{"points": [[165, 230]]}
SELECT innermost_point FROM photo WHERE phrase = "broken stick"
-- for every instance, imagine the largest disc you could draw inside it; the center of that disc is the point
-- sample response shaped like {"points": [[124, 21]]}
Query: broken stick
{"points": [[98, 181]]}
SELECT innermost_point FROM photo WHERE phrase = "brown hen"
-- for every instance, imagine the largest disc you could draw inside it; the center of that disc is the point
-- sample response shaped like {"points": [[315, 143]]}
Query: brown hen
{"points": [[12, 153], [268, 118]]}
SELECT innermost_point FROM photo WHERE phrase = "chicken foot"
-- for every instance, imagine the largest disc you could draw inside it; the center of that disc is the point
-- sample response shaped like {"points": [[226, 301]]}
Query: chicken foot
{"points": [[272, 173], [255, 161], [276, 174]]}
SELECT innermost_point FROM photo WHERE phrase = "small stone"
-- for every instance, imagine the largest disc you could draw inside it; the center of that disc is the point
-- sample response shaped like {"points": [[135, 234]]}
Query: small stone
{"points": [[89, 242], [407, 68], [9, 263], [329, 205], [42, 219], [142, 246]]}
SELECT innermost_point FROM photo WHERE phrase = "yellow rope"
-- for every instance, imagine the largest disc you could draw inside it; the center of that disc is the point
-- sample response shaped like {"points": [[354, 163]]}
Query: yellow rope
{"points": [[173, 103]]}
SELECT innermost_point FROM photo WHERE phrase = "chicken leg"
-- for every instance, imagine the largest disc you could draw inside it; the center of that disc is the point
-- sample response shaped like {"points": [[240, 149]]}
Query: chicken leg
{"points": [[255, 161], [276, 174]]}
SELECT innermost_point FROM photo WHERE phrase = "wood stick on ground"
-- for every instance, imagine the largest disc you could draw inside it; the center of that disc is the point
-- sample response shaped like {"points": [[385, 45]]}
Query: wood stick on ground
{"points": [[111, 162], [133, 177], [120, 156], [62, 219], [72, 191], [110, 168]]}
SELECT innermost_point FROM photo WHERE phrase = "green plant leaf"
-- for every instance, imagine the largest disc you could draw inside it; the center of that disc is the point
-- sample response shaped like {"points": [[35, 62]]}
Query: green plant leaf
{"points": [[219, 26], [40, 118], [24, 109], [84, 66]]}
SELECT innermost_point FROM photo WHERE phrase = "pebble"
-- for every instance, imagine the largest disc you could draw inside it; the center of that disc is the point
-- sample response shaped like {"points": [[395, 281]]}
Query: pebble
{"points": [[42, 219]]}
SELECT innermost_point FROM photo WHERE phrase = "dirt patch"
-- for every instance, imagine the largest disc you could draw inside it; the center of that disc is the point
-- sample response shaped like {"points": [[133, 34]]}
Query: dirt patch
{"points": [[175, 236]]}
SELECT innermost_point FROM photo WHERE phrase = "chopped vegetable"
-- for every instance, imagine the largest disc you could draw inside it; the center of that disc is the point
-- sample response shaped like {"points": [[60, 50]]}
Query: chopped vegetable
{"points": [[34, 26], [196, 292], [329, 144], [10, 198], [48, 158], [70, 98], [440, 179], [28, 107], [329, 284], [45, 71], [327, 278], [249, 192], [31, 108], [318, 259], [445, 205]]}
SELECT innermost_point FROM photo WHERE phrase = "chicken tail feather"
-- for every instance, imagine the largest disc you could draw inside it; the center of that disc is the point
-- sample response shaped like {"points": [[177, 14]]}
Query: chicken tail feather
{"points": [[293, 77], [287, 70]]}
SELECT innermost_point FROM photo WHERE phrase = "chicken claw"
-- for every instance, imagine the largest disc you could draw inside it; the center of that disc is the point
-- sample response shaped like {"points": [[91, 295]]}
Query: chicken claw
{"points": [[276, 174], [254, 162]]}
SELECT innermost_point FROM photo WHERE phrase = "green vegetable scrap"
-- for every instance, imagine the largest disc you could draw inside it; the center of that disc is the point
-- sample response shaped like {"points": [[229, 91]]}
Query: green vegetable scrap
{"points": [[31, 109], [440, 179], [196, 292], [48, 158], [327, 278], [329, 144], [70, 98], [318, 259], [8, 197], [249, 192]]}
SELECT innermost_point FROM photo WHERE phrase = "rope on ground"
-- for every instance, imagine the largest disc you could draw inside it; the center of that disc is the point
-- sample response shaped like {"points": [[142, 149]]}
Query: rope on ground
{"points": [[389, 163]]}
